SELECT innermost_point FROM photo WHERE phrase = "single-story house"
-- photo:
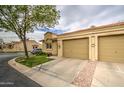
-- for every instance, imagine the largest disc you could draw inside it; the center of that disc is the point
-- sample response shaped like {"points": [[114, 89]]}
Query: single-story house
{"points": [[17, 46], [1, 43], [101, 43], [50, 44]]}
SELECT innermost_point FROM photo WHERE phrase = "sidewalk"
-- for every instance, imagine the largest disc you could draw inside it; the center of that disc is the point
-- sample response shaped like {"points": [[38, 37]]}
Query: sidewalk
{"points": [[42, 77]]}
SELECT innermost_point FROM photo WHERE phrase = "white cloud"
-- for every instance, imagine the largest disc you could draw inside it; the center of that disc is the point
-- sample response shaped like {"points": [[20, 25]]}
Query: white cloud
{"points": [[75, 17], [36, 35], [11, 36], [83, 16], [8, 36]]}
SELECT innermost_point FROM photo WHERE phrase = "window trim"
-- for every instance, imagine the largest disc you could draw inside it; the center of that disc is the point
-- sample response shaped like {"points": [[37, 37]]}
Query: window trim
{"points": [[48, 45]]}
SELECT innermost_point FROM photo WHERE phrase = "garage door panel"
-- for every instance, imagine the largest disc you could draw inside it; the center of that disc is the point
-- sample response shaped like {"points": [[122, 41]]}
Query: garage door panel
{"points": [[76, 48], [111, 59], [111, 48]]}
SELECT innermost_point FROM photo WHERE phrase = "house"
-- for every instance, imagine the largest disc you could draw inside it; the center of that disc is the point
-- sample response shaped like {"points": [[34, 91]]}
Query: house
{"points": [[17, 46], [1, 44], [49, 44], [101, 43]]}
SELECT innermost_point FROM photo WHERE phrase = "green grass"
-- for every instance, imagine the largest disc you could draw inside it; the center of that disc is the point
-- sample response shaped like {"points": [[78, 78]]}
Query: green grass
{"points": [[33, 60]]}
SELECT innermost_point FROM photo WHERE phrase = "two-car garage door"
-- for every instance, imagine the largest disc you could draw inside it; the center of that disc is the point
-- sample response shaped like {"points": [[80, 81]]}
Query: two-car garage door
{"points": [[111, 48], [76, 48]]}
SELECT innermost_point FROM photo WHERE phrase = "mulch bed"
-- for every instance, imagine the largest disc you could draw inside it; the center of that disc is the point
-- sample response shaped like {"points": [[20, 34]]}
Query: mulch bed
{"points": [[85, 76]]}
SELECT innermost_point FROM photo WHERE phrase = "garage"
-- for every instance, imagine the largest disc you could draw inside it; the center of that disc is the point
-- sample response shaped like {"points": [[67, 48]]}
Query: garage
{"points": [[76, 48], [111, 48]]}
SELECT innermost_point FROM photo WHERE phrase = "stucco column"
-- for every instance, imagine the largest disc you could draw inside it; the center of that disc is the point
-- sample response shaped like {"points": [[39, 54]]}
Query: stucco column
{"points": [[90, 57], [60, 48], [96, 48], [93, 48]]}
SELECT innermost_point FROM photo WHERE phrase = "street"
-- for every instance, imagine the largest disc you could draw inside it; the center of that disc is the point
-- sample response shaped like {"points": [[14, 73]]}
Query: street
{"points": [[9, 77]]}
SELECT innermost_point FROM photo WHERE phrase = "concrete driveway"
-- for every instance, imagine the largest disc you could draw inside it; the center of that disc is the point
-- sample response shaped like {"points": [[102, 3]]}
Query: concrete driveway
{"points": [[68, 69], [64, 68], [108, 74]]}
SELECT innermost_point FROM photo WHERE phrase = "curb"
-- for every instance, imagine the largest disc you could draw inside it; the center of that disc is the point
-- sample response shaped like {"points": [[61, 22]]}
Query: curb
{"points": [[42, 78], [21, 68]]}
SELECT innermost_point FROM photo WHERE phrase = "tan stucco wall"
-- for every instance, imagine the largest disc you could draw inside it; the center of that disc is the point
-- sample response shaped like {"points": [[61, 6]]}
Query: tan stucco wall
{"points": [[91, 31], [43, 47], [18, 46], [55, 48], [49, 35], [54, 44], [93, 38], [60, 48]]}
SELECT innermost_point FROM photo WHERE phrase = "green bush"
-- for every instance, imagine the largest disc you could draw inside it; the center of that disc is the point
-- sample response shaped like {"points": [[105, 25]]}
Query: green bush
{"points": [[40, 53]]}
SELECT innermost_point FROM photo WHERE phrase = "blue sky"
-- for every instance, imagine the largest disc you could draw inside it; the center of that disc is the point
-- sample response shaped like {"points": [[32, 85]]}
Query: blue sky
{"points": [[75, 17]]}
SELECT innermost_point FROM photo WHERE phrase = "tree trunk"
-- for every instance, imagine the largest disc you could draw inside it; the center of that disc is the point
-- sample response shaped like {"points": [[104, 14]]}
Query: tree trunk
{"points": [[25, 48]]}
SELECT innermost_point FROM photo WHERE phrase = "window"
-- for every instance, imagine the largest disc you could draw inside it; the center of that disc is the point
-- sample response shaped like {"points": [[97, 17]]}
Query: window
{"points": [[35, 47], [0, 46], [48, 46], [10, 46]]}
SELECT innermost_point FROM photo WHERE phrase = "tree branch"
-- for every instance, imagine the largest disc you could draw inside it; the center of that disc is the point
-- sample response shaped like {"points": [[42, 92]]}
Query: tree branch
{"points": [[12, 23]]}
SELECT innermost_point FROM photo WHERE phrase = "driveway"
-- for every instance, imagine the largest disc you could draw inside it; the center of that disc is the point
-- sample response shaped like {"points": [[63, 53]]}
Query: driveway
{"points": [[9, 77], [108, 74], [64, 68], [93, 74]]}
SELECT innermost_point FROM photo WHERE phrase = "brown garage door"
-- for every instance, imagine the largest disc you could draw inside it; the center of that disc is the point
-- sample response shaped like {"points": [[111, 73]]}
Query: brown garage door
{"points": [[76, 48], [111, 48]]}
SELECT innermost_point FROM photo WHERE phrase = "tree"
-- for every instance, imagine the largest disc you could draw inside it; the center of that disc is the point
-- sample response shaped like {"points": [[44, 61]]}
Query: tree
{"points": [[22, 19]]}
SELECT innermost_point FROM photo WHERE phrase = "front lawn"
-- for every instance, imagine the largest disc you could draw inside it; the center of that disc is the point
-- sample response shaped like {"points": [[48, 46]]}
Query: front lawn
{"points": [[33, 60]]}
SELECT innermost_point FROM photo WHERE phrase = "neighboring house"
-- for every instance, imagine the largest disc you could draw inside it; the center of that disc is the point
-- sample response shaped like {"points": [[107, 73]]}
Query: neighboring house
{"points": [[102, 43], [1, 45], [49, 44], [17, 46], [40, 45]]}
